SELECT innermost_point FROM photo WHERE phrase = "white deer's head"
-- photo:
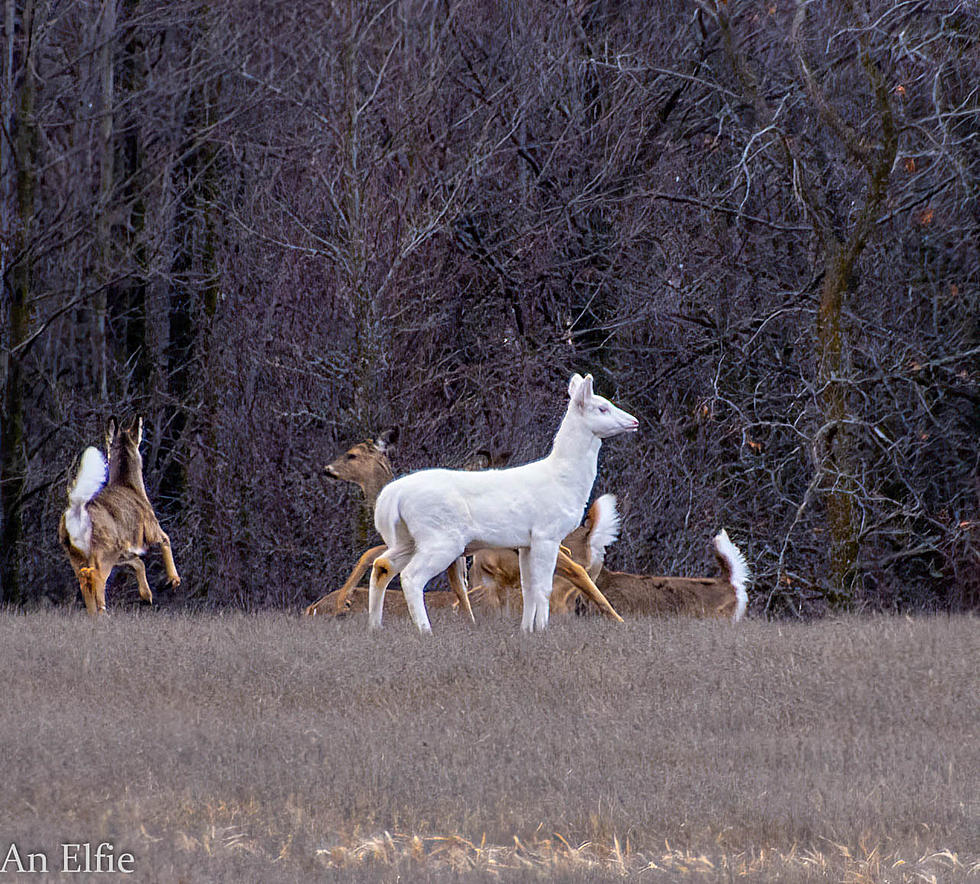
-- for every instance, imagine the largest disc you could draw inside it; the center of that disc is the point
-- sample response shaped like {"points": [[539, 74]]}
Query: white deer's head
{"points": [[599, 414]]}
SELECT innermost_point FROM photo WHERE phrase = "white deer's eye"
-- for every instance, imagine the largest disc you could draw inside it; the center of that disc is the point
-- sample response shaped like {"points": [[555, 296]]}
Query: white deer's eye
{"points": [[603, 409]]}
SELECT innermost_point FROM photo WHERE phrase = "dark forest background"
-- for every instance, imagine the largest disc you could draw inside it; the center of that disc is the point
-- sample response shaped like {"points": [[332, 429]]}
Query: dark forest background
{"points": [[275, 229]]}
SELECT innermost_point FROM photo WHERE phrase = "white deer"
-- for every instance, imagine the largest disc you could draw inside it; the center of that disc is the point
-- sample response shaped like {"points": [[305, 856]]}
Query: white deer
{"points": [[430, 518]]}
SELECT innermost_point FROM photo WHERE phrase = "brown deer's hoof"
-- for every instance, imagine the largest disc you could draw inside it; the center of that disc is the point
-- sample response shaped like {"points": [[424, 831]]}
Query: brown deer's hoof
{"points": [[175, 581]]}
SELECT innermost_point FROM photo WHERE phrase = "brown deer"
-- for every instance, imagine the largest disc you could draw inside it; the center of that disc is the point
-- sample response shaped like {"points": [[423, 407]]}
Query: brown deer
{"points": [[367, 466], [356, 602], [109, 520], [723, 596]]}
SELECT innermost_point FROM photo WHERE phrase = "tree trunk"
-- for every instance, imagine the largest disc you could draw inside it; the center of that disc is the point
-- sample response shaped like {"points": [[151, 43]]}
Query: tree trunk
{"points": [[838, 485], [192, 303], [13, 458], [104, 56], [128, 297]]}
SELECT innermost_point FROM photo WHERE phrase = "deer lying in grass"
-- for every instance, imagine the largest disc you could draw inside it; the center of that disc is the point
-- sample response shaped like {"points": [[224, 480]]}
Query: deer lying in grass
{"points": [[356, 601], [495, 577], [430, 518], [723, 596], [112, 522], [367, 466]]}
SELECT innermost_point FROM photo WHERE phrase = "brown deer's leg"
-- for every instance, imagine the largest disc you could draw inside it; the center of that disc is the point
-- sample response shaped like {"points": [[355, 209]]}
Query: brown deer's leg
{"points": [[363, 563], [168, 560], [561, 594], [84, 574], [456, 573], [136, 563], [99, 575], [580, 577]]}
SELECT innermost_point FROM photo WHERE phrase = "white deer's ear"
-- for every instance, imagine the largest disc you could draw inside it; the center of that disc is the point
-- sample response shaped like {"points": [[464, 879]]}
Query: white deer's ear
{"points": [[574, 384], [139, 432], [583, 391]]}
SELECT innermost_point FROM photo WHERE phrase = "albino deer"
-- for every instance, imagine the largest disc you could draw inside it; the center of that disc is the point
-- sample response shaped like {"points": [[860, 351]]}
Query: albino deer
{"points": [[723, 596], [430, 518], [112, 522], [367, 466]]}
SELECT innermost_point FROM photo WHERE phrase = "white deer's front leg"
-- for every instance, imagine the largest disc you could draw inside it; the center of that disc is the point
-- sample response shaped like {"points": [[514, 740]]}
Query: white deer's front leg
{"points": [[537, 572], [527, 594]]}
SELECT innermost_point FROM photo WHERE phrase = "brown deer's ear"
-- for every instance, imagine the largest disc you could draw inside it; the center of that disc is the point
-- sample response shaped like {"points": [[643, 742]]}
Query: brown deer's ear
{"points": [[502, 459], [386, 439], [111, 428], [480, 460], [139, 431]]}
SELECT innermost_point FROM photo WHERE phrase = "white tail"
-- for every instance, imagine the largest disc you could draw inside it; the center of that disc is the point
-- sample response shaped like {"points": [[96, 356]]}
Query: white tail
{"points": [[428, 519], [88, 482], [738, 570], [605, 530]]}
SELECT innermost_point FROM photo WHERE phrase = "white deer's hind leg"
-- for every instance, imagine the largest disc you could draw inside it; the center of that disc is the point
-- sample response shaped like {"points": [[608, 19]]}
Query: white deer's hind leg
{"points": [[425, 564], [385, 567]]}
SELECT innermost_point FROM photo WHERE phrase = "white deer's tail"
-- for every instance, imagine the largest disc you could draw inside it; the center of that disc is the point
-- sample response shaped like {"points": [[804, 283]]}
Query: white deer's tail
{"points": [[604, 529], [733, 563], [88, 482]]}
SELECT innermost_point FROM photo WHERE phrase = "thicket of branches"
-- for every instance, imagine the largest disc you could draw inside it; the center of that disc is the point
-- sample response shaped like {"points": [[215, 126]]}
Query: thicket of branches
{"points": [[275, 229]]}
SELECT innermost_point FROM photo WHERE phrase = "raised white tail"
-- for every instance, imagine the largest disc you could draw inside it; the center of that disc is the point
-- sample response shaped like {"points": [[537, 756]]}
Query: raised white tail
{"points": [[604, 530], [88, 482], [738, 571]]}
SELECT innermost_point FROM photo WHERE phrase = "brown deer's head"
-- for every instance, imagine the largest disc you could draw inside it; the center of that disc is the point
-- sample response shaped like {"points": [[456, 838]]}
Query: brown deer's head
{"points": [[484, 460], [366, 465]]}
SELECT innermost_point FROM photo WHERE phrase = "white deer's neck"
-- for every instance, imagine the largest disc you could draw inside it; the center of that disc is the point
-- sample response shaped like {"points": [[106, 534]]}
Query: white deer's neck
{"points": [[575, 454]]}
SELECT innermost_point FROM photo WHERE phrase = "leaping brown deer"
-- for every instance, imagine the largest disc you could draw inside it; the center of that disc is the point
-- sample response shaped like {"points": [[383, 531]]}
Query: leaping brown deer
{"points": [[109, 520]]}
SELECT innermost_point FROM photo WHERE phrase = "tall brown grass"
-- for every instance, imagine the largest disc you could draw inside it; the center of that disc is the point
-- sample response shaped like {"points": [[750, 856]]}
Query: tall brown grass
{"points": [[273, 747]]}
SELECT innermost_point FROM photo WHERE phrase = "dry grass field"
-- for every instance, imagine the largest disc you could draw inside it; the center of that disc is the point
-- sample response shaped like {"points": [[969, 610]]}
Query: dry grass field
{"points": [[279, 748]]}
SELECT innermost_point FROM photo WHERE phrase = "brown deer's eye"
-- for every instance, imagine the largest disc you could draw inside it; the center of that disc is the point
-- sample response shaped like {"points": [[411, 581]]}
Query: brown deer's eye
{"points": [[352, 457]]}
